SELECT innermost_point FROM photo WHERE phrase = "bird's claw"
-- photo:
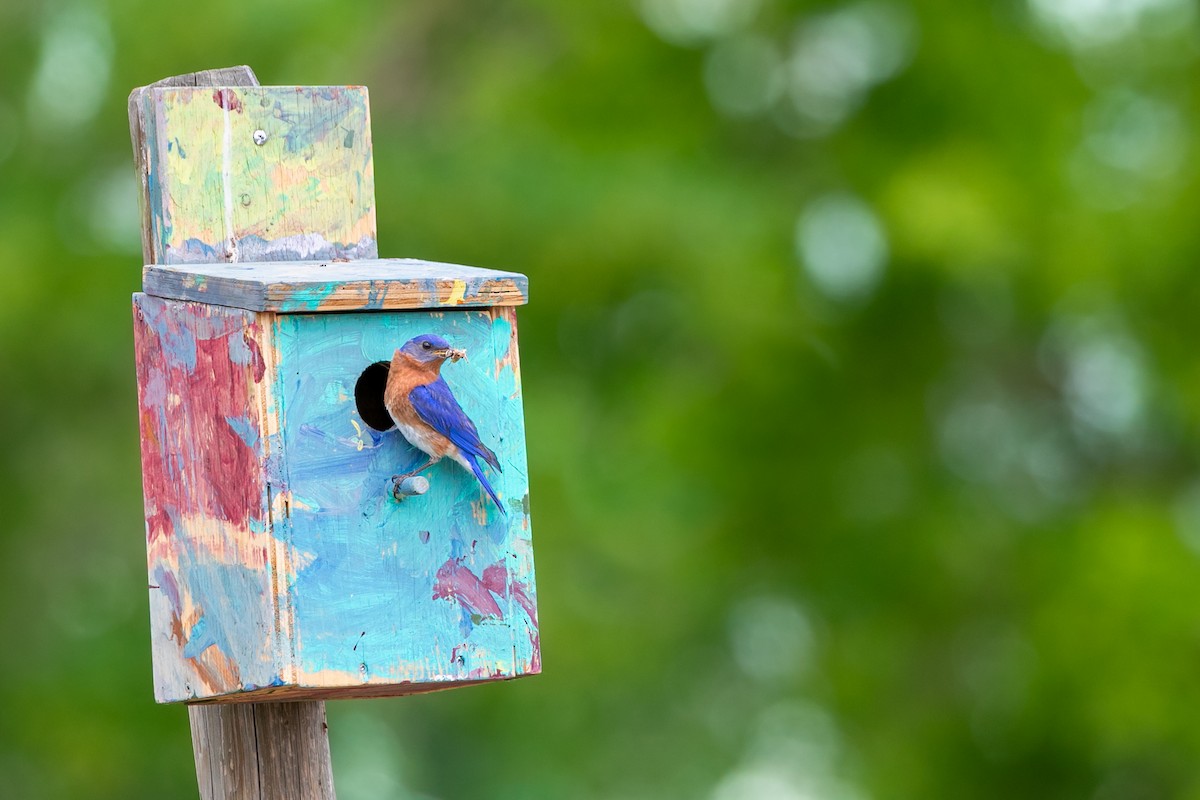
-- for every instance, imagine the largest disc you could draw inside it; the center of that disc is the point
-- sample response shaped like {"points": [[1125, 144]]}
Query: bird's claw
{"points": [[409, 486]]}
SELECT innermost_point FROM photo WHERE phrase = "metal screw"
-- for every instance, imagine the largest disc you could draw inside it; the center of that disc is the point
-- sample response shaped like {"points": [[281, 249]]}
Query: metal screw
{"points": [[260, 137], [245, 199]]}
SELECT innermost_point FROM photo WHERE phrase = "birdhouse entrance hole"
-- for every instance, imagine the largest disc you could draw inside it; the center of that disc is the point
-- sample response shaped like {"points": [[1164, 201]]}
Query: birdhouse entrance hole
{"points": [[368, 396]]}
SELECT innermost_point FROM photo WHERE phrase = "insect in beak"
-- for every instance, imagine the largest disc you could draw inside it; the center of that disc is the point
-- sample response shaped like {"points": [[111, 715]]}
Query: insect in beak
{"points": [[452, 353]]}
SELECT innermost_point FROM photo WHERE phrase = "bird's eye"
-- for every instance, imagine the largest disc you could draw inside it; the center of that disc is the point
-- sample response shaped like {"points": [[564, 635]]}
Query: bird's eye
{"points": [[426, 346]]}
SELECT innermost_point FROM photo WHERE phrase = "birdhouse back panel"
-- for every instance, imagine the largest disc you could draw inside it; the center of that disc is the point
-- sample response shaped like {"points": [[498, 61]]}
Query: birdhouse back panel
{"points": [[281, 562], [257, 173]]}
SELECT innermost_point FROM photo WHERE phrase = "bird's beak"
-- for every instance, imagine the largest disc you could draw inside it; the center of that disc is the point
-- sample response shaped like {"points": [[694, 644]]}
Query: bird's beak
{"points": [[453, 353]]}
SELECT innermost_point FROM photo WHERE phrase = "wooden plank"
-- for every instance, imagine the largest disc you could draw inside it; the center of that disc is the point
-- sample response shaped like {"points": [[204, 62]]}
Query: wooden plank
{"points": [[253, 173], [205, 378], [369, 284], [396, 597], [226, 76], [262, 751]]}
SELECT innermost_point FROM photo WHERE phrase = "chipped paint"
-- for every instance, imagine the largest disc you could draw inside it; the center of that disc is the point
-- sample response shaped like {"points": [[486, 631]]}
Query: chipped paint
{"points": [[279, 561], [215, 195], [365, 285], [380, 562]]}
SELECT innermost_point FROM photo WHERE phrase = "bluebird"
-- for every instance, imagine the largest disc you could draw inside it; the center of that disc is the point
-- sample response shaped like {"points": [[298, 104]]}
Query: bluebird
{"points": [[426, 412]]}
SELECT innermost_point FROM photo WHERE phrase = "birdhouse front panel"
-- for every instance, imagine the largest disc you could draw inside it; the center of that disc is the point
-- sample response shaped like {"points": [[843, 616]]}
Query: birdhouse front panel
{"points": [[287, 559], [433, 588]]}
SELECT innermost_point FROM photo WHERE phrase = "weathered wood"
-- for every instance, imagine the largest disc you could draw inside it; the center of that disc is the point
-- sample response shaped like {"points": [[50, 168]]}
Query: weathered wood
{"points": [[226, 76], [262, 751], [232, 758], [257, 173], [367, 284]]}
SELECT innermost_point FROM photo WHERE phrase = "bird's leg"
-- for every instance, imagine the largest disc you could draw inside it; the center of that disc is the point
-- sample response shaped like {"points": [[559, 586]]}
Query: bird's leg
{"points": [[416, 471], [409, 484]]}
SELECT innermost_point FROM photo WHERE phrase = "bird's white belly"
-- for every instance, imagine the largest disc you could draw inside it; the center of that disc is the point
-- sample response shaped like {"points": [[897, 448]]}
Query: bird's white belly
{"points": [[423, 438]]}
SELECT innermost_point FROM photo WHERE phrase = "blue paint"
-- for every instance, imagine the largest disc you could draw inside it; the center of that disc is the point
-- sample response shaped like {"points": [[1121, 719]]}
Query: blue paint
{"points": [[199, 639], [246, 429], [178, 341], [160, 223], [236, 613], [305, 129], [376, 559], [308, 298], [239, 352], [193, 251]]}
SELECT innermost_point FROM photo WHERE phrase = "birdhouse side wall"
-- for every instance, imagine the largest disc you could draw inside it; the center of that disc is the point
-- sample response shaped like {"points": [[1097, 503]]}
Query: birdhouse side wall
{"points": [[205, 377], [388, 596]]}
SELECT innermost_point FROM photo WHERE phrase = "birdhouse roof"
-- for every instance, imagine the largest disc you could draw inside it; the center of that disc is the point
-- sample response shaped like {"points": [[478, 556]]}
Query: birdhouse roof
{"points": [[305, 287]]}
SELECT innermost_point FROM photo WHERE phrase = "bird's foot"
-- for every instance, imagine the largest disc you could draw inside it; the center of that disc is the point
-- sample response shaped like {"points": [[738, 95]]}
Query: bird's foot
{"points": [[408, 486]]}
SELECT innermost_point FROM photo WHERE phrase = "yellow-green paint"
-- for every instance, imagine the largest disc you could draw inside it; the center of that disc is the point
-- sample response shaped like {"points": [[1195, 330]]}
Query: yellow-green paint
{"points": [[255, 173]]}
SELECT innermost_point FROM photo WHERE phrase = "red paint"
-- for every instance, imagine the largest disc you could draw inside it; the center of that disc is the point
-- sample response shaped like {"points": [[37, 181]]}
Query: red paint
{"points": [[218, 389], [227, 99], [496, 579], [456, 582], [158, 525], [193, 462]]}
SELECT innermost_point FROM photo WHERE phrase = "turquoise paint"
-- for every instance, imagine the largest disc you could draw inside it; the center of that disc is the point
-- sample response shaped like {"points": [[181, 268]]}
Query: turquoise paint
{"points": [[307, 298], [235, 618], [365, 605], [199, 639]]}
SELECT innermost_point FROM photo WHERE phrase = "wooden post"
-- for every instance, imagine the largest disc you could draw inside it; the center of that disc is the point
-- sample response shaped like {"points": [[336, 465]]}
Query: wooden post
{"points": [[263, 751]]}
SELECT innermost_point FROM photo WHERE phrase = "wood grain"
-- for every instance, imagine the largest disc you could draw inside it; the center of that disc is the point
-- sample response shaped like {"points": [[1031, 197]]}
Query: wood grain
{"points": [[213, 193], [368, 284], [262, 751], [138, 123]]}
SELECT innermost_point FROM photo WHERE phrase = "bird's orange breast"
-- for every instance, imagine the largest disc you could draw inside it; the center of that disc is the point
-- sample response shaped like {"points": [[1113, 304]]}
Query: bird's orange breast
{"points": [[404, 375]]}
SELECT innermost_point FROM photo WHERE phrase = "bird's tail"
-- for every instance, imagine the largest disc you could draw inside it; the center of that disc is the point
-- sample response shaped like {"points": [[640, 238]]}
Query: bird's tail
{"points": [[484, 481]]}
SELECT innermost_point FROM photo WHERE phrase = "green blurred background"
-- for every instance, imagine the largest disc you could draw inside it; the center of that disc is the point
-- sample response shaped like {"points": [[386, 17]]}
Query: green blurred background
{"points": [[860, 380]]}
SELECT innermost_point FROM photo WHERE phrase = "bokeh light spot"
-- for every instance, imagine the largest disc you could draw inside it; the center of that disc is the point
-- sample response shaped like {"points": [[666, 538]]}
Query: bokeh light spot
{"points": [[69, 86], [743, 75], [842, 246], [837, 57], [771, 638], [1102, 371], [1089, 23], [688, 22]]}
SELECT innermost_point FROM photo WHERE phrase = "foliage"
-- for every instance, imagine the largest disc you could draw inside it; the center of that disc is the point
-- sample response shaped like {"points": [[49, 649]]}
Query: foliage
{"points": [[859, 393]]}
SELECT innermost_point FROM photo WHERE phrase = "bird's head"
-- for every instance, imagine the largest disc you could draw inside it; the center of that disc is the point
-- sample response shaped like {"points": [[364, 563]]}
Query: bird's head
{"points": [[429, 348]]}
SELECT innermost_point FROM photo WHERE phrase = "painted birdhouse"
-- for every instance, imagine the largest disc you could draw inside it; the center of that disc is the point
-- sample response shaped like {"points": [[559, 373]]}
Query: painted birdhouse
{"points": [[301, 545]]}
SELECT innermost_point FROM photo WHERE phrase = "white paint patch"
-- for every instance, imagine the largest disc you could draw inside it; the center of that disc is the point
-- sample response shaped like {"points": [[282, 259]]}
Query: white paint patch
{"points": [[227, 186]]}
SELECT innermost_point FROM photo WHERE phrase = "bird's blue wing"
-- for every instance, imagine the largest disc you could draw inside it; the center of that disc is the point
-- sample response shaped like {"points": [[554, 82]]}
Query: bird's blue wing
{"points": [[436, 404]]}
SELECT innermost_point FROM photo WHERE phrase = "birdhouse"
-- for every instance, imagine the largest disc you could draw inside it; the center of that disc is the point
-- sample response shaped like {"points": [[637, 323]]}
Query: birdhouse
{"points": [[333, 446]]}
